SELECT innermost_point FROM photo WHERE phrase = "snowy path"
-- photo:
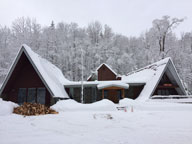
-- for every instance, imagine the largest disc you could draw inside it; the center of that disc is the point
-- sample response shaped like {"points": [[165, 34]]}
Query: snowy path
{"points": [[139, 127]]}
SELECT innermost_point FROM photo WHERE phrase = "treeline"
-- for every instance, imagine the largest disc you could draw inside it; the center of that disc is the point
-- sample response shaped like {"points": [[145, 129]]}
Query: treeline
{"points": [[63, 44]]}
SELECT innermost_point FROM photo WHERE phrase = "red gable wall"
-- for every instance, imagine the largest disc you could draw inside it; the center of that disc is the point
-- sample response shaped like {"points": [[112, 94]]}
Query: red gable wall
{"points": [[23, 76], [104, 74]]}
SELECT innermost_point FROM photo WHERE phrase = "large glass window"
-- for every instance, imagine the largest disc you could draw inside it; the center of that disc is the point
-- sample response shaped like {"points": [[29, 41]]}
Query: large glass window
{"points": [[71, 92], [21, 96], [170, 91], [32, 95], [41, 93], [94, 94], [31, 98]]}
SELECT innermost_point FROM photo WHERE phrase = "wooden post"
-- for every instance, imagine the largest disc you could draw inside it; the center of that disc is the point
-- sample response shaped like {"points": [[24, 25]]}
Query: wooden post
{"points": [[102, 93], [123, 93]]}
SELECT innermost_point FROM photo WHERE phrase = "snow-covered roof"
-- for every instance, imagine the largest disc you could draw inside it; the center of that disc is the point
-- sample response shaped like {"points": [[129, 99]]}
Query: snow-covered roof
{"points": [[113, 84], [148, 76], [151, 75], [140, 76], [51, 76], [89, 76], [107, 67], [95, 83], [147, 73]]}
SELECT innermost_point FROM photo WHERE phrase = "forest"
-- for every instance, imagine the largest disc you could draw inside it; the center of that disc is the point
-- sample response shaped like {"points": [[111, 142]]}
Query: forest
{"points": [[63, 44]]}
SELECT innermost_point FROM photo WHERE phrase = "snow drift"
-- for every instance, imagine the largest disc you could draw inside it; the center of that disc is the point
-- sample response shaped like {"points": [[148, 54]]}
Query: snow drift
{"points": [[6, 107], [153, 105], [72, 105]]}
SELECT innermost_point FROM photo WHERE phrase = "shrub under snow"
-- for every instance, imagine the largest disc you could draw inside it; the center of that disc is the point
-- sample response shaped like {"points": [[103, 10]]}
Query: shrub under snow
{"points": [[71, 105]]}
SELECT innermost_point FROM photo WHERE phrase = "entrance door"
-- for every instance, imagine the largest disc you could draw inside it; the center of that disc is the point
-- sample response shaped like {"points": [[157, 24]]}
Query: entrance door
{"points": [[113, 96]]}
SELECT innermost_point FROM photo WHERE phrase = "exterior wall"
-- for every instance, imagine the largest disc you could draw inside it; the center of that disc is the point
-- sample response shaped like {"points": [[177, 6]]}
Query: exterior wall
{"points": [[77, 94], [23, 76], [92, 94], [133, 92], [165, 87], [112, 95], [104, 74]]}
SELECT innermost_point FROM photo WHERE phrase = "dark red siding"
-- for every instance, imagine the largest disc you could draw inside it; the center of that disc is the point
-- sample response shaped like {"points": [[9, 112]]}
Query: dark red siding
{"points": [[23, 76], [166, 87], [104, 74]]}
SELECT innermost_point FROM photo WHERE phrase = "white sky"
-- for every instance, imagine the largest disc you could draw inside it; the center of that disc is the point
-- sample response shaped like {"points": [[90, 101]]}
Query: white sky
{"points": [[128, 17]]}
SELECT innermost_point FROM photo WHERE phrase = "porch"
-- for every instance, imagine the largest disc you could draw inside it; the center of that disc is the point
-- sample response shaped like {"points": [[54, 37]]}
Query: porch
{"points": [[113, 91]]}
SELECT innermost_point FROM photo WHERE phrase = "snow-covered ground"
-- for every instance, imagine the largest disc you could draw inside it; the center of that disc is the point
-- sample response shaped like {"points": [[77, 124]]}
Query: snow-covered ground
{"points": [[149, 123]]}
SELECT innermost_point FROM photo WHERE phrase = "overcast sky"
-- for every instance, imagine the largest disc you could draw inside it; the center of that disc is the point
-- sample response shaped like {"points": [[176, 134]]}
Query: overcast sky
{"points": [[128, 17]]}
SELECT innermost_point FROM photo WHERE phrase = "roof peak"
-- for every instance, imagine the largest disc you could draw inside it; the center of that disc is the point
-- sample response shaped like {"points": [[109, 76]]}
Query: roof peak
{"points": [[107, 67], [25, 46]]}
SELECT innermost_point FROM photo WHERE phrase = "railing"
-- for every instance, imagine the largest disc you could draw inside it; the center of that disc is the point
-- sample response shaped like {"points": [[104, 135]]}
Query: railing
{"points": [[171, 97]]}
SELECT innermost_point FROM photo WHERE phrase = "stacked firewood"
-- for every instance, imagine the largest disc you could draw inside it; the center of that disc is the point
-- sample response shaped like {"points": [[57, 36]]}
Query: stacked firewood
{"points": [[29, 109]]}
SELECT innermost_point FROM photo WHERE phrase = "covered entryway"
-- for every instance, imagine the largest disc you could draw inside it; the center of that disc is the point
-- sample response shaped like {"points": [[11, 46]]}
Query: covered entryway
{"points": [[113, 91]]}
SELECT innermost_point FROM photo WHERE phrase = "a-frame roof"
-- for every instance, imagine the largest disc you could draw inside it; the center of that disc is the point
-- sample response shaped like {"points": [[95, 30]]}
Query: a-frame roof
{"points": [[107, 67], [151, 76], [51, 76]]}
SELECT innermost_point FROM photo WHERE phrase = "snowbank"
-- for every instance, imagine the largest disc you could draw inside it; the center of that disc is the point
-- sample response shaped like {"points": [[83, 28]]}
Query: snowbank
{"points": [[6, 107], [153, 106], [128, 104], [71, 105]]}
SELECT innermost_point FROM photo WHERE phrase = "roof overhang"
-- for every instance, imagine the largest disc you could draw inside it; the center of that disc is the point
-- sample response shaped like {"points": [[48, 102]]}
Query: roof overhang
{"points": [[116, 85], [73, 84]]}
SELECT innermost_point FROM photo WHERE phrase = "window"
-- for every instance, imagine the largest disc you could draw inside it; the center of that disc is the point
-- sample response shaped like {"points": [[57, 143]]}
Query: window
{"points": [[94, 94], [21, 96], [119, 94], [167, 92], [158, 92], [31, 95], [105, 93], [41, 93], [170, 91], [71, 94]]}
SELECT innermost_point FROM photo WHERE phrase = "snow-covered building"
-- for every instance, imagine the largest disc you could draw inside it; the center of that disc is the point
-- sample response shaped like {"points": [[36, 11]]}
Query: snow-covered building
{"points": [[33, 79], [160, 78]]}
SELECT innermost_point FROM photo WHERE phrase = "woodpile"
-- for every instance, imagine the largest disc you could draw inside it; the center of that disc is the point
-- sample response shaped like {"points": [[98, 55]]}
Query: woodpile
{"points": [[29, 109]]}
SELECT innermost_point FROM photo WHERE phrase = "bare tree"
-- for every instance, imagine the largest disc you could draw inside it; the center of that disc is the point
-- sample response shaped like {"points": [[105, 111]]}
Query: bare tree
{"points": [[163, 27]]}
